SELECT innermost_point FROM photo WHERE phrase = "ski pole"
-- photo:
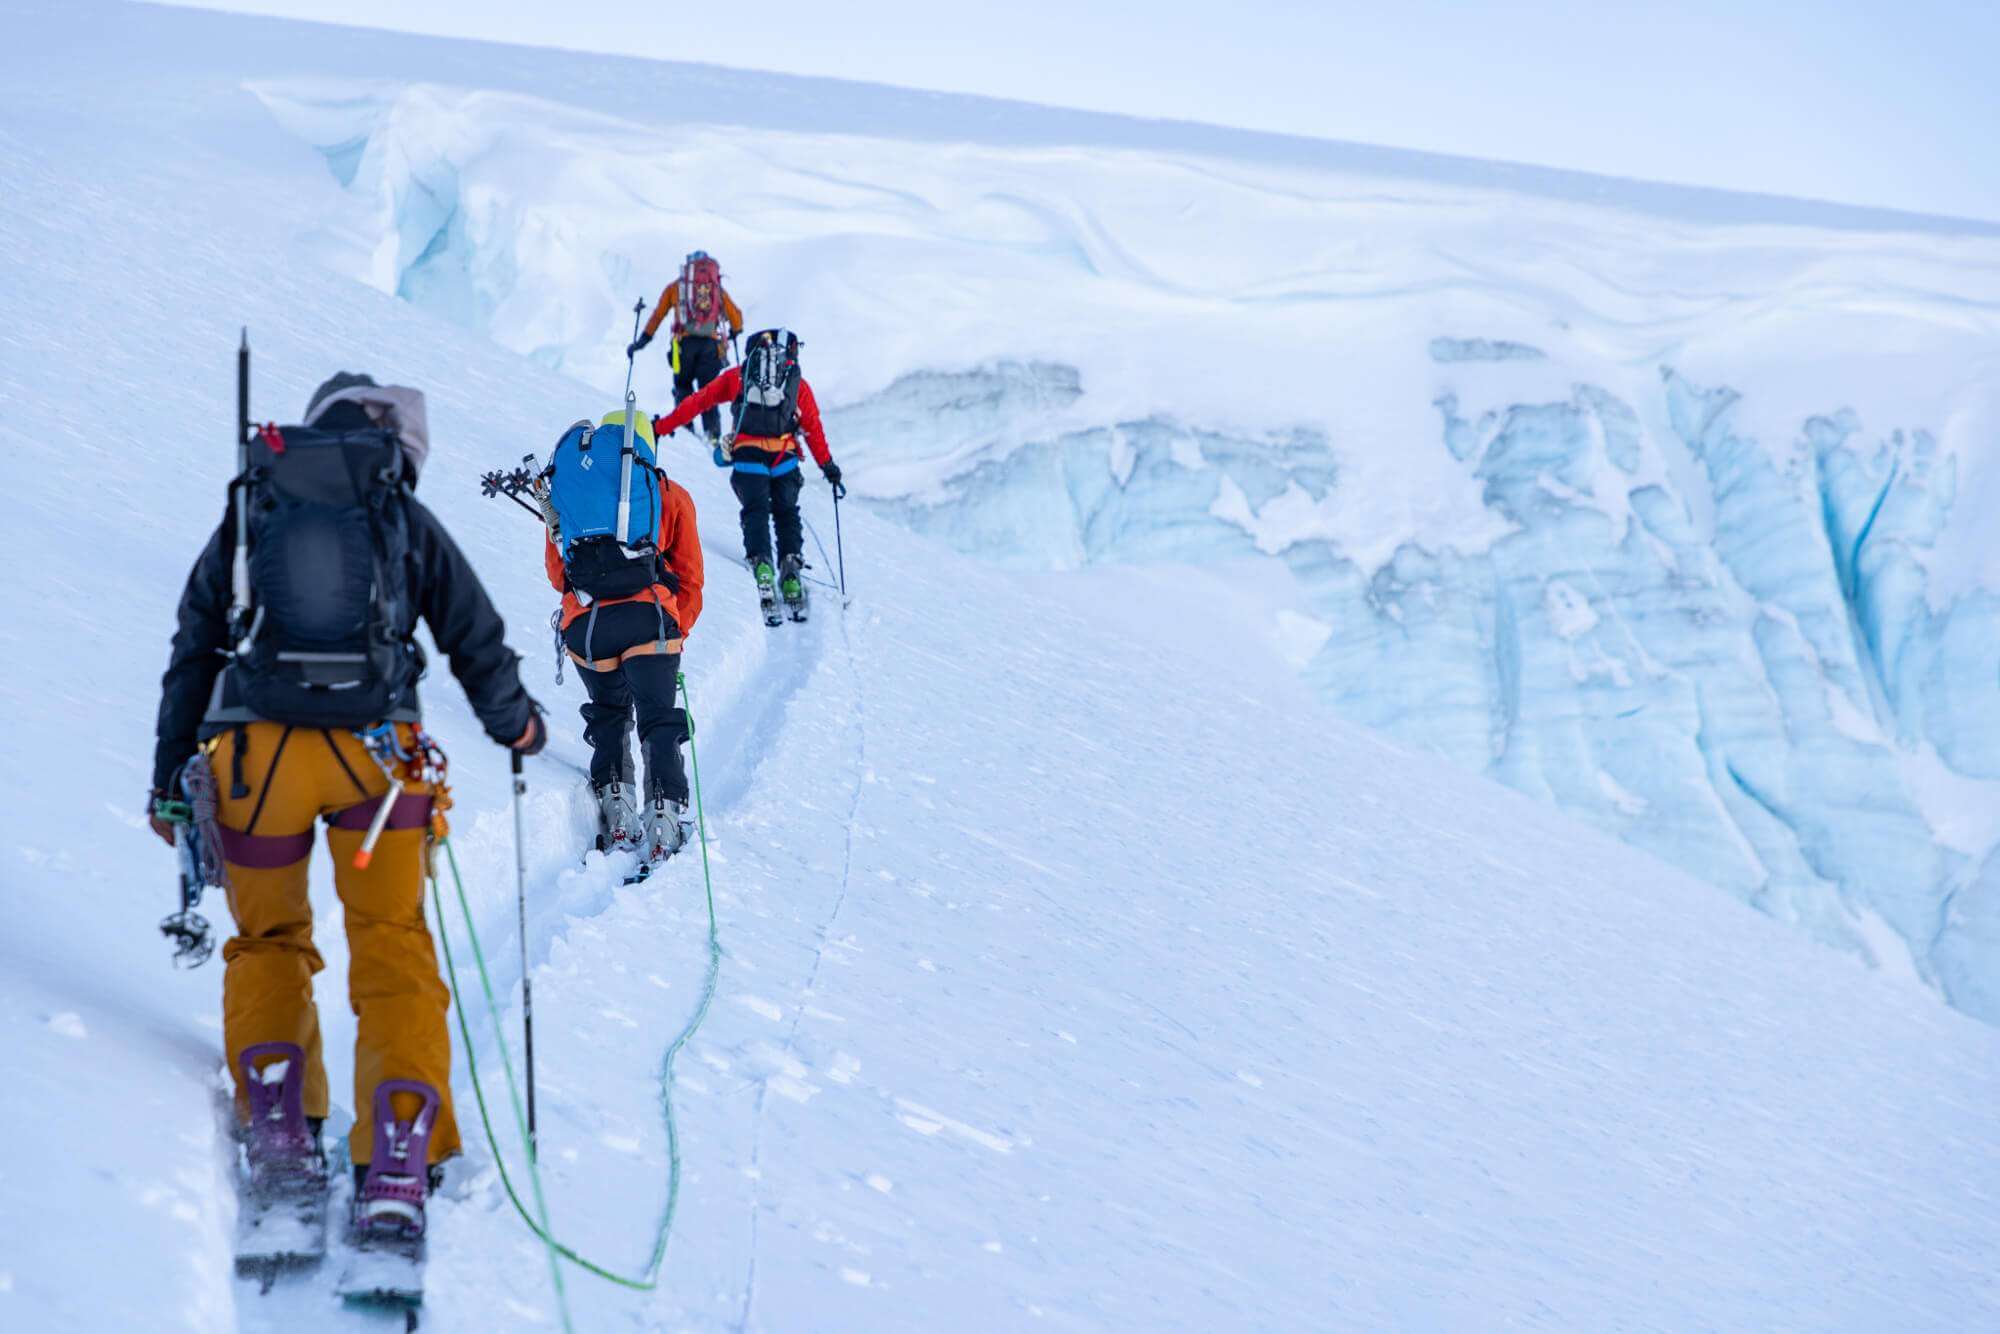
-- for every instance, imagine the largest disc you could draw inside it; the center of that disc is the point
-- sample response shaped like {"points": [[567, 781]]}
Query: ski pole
{"points": [[840, 553], [521, 909]]}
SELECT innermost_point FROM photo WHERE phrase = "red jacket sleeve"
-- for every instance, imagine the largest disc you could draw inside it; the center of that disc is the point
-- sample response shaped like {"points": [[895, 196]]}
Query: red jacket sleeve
{"points": [[722, 389], [809, 423], [683, 550]]}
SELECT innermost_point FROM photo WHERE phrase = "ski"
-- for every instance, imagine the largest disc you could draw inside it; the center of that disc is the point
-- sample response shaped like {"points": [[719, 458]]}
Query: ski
{"points": [[767, 592], [660, 847], [281, 1171], [791, 584], [648, 865], [385, 1269], [385, 1277]]}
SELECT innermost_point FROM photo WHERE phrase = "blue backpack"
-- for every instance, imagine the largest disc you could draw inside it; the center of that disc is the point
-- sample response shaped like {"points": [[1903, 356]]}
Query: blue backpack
{"points": [[605, 488]]}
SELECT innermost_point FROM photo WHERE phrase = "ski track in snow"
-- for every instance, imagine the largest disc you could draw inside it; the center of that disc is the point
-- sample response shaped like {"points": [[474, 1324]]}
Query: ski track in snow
{"points": [[859, 714]]}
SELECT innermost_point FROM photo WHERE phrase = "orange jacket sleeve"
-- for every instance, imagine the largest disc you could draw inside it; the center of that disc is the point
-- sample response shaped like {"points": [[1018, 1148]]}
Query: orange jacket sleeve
{"points": [[552, 561], [722, 389], [669, 299], [683, 551], [730, 309], [809, 424]]}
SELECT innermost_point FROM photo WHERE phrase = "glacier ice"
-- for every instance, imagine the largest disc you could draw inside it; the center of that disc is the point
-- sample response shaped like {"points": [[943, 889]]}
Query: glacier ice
{"points": [[1444, 351], [1731, 695]]}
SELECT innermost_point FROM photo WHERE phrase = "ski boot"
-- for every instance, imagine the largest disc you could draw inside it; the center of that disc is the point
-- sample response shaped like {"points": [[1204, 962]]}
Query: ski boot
{"points": [[669, 829], [388, 1221], [792, 586], [617, 818], [767, 592], [667, 832], [282, 1224]]}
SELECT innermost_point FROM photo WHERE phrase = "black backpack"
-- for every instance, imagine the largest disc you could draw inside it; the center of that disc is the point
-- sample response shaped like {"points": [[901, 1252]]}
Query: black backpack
{"points": [[325, 606], [767, 406]]}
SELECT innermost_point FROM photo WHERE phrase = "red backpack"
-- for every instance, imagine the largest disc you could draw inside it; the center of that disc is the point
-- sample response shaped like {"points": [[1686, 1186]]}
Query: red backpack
{"points": [[700, 307]]}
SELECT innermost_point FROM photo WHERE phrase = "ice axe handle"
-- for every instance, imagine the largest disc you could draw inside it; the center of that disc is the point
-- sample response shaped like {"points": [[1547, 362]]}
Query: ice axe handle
{"points": [[366, 852]]}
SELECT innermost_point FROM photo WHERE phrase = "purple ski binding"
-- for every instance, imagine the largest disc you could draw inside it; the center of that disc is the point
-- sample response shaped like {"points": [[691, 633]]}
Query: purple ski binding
{"points": [[281, 1223], [388, 1264]]}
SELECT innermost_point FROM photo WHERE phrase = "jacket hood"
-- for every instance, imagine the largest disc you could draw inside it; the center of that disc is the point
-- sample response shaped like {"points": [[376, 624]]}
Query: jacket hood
{"points": [[394, 406]]}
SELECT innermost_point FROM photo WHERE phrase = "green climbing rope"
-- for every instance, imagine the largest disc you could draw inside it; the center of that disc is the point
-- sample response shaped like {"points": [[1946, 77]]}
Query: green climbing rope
{"points": [[649, 1276]]}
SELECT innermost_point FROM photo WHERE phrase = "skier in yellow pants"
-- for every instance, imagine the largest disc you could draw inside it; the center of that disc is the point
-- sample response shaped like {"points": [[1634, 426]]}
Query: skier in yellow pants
{"points": [[300, 775], [290, 697]]}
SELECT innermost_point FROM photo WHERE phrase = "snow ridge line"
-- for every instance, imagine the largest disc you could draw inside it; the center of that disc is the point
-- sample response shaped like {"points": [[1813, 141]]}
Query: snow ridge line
{"points": [[819, 957]]}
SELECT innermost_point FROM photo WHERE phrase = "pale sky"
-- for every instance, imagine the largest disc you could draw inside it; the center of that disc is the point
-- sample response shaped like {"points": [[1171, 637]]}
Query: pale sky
{"points": [[1862, 101]]}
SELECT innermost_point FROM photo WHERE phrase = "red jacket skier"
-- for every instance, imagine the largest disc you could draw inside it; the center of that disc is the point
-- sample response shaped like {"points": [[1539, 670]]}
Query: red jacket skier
{"points": [[773, 406]]}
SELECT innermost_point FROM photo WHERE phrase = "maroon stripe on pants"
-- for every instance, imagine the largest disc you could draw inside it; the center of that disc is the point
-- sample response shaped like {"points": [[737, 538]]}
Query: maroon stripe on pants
{"points": [[411, 811], [265, 852]]}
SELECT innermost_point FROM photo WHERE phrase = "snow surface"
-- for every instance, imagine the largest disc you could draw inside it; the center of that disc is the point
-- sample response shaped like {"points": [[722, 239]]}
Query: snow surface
{"points": [[1082, 970]]}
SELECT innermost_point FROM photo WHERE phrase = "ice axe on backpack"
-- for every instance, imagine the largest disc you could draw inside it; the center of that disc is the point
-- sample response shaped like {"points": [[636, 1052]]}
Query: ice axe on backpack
{"points": [[631, 353]]}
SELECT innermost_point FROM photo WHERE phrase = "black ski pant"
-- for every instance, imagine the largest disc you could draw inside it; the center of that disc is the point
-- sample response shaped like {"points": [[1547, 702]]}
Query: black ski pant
{"points": [[767, 501], [644, 681], [701, 361]]}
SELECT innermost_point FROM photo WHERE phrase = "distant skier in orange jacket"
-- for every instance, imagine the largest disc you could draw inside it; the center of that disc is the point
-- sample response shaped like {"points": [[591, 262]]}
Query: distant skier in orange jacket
{"points": [[705, 319]]}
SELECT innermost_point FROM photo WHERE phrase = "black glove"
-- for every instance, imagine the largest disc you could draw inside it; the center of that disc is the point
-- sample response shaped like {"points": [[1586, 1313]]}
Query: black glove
{"points": [[537, 735], [832, 473], [638, 345]]}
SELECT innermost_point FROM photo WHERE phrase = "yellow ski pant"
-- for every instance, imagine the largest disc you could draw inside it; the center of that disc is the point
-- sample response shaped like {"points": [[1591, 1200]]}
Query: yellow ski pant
{"points": [[292, 777]]}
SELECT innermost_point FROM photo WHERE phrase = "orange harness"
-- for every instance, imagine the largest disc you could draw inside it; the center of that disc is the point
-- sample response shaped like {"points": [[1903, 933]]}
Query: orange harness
{"points": [[636, 651]]}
